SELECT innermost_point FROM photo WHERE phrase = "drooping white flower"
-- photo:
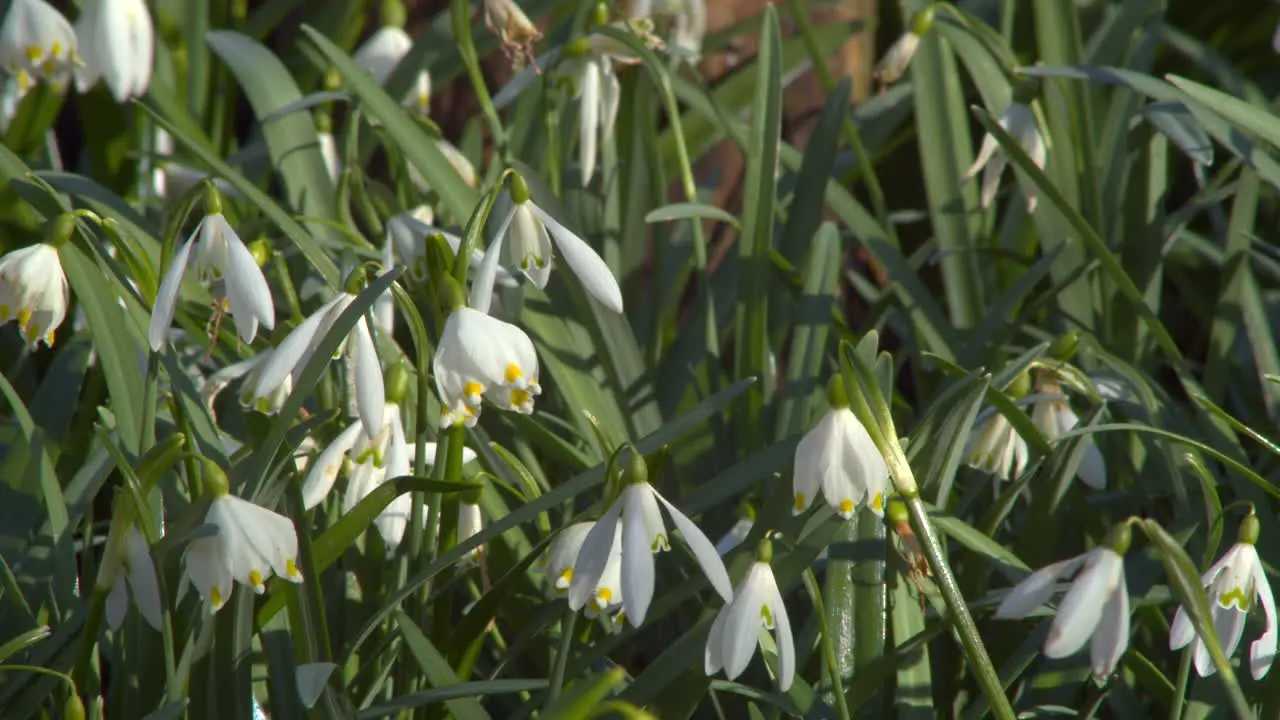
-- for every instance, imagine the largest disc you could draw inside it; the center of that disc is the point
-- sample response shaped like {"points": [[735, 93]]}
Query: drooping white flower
{"points": [[642, 535], [1054, 418], [756, 603], [1020, 122], [839, 458], [219, 256], [459, 162], [598, 92], [689, 23], [251, 543], [1233, 583], [470, 522], [528, 232], [37, 42], [505, 19], [605, 594], [1096, 607], [380, 55], [405, 245], [132, 556], [292, 354], [997, 448], [116, 41], [482, 356], [34, 291]]}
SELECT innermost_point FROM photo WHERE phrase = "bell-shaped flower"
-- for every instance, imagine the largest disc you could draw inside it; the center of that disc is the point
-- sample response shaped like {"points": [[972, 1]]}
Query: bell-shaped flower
{"points": [[219, 256], [250, 543], [688, 23], [1053, 417], [375, 460], [604, 596], [37, 42], [34, 291], [643, 534], [380, 55], [598, 92], [482, 356], [116, 41], [249, 370], [1095, 608], [1234, 583], [895, 61], [507, 21], [839, 458], [756, 603], [997, 448], [528, 232], [1020, 122], [127, 567], [293, 353]]}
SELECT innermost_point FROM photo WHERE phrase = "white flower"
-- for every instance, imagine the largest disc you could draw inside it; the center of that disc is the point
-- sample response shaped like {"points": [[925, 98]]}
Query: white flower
{"points": [[1233, 582], [735, 633], [1054, 418], [405, 245], [530, 232], [998, 448], [457, 161], [470, 522], [482, 356], [139, 575], [505, 19], [382, 52], [642, 535], [36, 41], [34, 291], [839, 457], [605, 593], [220, 255], [1096, 606], [10, 99], [735, 536], [896, 59], [690, 24], [292, 354], [329, 153], [251, 543], [597, 90], [1020, 122], [117, 42]]}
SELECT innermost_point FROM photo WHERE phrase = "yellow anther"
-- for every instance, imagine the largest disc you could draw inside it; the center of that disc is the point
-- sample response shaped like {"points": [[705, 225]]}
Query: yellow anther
{"points": [[603, 596], [216, 596], [565, 580], [800, 503], [513, 373], [255, 579], [846, 507], [291, 569]]}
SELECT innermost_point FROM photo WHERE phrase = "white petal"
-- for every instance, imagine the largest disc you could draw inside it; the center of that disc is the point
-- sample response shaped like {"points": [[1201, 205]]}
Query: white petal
{"points": [[713, 656], [991, 179], [271, 535], [637, 553], [734, 537], [708, 559], [482, 282], [593, 557], [985, 153], [394, 520], [383, 51], [1036, 589], [816, 455], [1181, 632], [742, 626], [592, 271], [370, 392], [247, 291], [782, 631], [1112, 636], [589, 121], [208, 567], [294, 351], [1263, 650], [1228, 623], [1081, 608], [1093, 469], [117, 603], [142, 579], [167, 296], [325, 468]]}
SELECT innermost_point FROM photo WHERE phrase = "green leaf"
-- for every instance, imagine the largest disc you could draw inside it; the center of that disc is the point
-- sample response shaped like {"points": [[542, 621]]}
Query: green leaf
{"points": [[686, 211], [582, 698], [437, 669]]}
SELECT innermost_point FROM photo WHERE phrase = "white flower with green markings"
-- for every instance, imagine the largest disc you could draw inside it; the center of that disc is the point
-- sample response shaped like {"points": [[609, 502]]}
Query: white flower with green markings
{"points": [[127, 569], [839, 459], [1236, 584], [37, 42], [997, 448], [1053, 417], [117, 42], [1095, 609], [757, 604], [1020, 122], [34, 292]]}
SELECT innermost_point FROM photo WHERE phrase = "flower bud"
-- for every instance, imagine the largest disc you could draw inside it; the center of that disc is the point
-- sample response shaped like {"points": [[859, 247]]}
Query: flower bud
{"points": [[601, 16], [1250, 528], [355, 280], [59, 230], [397, 383], [1064, 347], [897, 513], [260, 249], [519, 189], [922, 23], [212, 199], [764, 550], [74, 708], [836, 395], [638, 472], [1118, 538], [1020, 386], [393, 14], [216, 484]]}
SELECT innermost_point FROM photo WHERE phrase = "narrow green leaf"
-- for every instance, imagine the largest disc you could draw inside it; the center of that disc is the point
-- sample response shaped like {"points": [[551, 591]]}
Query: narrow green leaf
{"points": [[437, 669], [686, 211]]}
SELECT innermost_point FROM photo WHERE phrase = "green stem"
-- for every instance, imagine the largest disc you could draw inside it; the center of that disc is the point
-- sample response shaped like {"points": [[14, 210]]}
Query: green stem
{"points": [[828, 648], [454, 440], [1180, 688], [460, 18], [89, 633], [562, 657]]}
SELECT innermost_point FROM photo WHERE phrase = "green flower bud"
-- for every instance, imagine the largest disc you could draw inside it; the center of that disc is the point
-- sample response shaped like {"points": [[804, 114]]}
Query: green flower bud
{"points": [[764, 550], [601, 16], [922, 23], [332, 79], [519, 189], [59, 230], [836, 395], [638, 472], [1250, 528], [355, 280], [260, 249], [1119, 538], [1064, 348], [576, 48], [212, 199], [746, 511], [324, 123], [216, 484], [1020, 386], [897, 512], [393, 13], [397, 383], [451, 293], [472, 496], [74, 708]]}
